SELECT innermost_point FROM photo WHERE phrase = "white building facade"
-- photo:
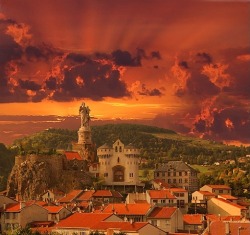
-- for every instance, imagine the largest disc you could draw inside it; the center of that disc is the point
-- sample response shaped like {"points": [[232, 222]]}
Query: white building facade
{"points": [[118, 165]]}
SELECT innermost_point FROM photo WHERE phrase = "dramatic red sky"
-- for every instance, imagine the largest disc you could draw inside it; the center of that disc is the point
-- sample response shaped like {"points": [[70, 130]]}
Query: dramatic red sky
{"points": [[182, 65]]}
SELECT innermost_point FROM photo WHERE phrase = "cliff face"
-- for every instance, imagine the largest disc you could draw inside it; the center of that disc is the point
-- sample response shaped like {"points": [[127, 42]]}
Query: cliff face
{"points": [[32, 175]]}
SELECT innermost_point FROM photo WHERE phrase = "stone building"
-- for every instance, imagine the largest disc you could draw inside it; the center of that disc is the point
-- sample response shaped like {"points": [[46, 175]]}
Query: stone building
{"points": [[118, 164], [177, 174]]}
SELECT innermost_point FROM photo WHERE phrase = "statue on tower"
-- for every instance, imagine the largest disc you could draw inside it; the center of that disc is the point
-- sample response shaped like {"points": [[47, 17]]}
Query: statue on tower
{"points": [[84, 114]]}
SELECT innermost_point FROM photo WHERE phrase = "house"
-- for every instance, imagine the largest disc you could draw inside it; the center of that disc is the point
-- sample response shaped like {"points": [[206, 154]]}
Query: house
{"points": [[217, 189], [202, 196], [130, 228], [136, 212], [193, 222], [163, 197], [70, 199], [227, 228], [57, 213], [228, 197], [75, 161], [177, 174], [181, 195], [52, 195], [81, 223], [106, 196], [225, 207], [159, 184], [247, 205], [169, 219], [19, 214]]}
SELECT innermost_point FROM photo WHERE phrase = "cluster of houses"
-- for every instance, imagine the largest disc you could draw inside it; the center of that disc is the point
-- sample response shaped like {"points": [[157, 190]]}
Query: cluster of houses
{"points": [[162, 210]]}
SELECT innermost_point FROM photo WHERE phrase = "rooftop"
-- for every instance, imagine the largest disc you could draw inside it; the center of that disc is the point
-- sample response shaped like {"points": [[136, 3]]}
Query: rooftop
{"points": [[162, 212]]}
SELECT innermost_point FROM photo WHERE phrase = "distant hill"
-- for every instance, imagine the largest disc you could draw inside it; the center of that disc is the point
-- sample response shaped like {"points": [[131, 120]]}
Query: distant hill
{"points": [[156, 143]]}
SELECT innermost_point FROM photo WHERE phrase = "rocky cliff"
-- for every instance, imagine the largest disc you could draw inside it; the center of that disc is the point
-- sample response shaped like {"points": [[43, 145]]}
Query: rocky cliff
{"points": [[33, 174]]}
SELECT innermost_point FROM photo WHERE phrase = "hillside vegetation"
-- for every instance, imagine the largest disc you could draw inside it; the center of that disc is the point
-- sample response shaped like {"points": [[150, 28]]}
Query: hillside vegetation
{"points": [[156, 145]]}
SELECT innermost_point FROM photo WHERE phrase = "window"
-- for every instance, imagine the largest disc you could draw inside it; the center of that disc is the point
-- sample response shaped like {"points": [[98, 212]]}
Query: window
{"points": [[131, 174], [116, 149], [163, 201], [118, 160], [181, 194], [169, 181], [220, 191], [120, 149], [180, 181], [174, 181], [105, 174]]}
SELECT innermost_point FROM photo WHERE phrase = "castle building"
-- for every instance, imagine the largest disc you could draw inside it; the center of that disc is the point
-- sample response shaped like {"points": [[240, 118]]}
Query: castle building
{"points": [[118, 164]]}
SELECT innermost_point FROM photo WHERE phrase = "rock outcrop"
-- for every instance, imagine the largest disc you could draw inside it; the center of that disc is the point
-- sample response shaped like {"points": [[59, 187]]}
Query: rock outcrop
{"points": [[33, 174]]}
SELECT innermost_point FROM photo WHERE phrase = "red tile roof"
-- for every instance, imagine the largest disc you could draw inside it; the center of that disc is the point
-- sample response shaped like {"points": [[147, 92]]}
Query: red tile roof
{"points": [[73, 155], [70, 196], [53, 209], [162, 212], [13, 207], [40, 203], [182, 190], [219, 228], [82, 220], [127, 209], [213, 217], [106, 193], [218, 186], [121, 225], [228, 197], [161, 183], [192, 219], [86, 196], [230, 203], [160, 194], [206, 193]]}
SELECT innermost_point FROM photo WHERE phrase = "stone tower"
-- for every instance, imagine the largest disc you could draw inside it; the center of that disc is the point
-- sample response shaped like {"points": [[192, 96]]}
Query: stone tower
{"points": [[85, 146]]}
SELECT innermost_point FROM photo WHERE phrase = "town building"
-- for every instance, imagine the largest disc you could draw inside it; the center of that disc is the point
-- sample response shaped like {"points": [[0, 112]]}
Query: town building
{"points": [[217, 189], [177, 174], [169, 219]]}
